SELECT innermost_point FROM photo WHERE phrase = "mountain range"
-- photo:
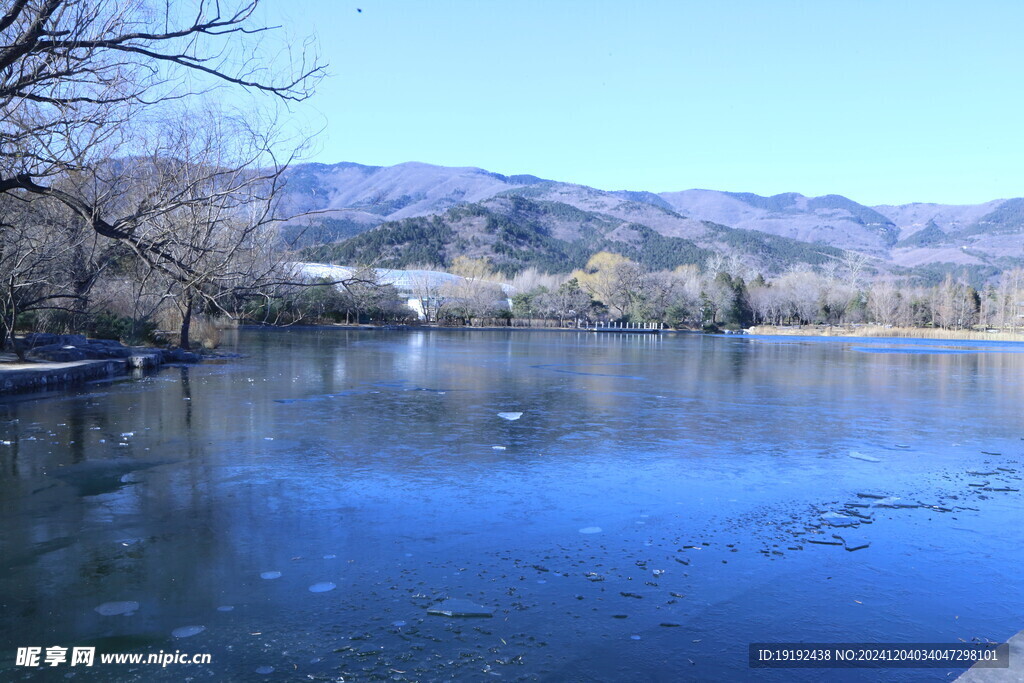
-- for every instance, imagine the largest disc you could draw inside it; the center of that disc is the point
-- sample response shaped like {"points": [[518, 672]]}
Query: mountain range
{"points": [[420, 214]]}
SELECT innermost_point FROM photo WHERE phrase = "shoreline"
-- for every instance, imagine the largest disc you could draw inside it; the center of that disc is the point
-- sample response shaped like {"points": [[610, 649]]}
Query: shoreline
{"points": [[61, 361], [28, 377], [464, 328], [822, 331], [880, 332]]}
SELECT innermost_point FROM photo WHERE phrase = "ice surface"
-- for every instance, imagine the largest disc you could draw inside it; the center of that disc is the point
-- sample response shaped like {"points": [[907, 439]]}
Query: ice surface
{"points": [[860, 456], [455, 607], [322, 587], [113, 609], [187, 631]]}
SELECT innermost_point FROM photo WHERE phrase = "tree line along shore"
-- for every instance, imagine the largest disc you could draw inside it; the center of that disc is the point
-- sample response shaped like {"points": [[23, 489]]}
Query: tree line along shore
{"points": [[723, 295], [840, 298]]}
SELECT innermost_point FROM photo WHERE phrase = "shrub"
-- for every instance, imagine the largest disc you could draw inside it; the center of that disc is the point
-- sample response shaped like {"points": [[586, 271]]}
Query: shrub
{"points": [[206, 332], [711, 328], [107, 325]]}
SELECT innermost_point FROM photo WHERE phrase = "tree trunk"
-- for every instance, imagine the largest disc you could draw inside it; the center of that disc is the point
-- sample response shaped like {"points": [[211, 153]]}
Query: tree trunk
{"points": [[186, 323], [18, 348], [10, 321], [79, 318]]}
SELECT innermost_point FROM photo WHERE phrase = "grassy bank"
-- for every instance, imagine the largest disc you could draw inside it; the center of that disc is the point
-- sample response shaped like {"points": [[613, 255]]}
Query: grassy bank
{"points": [[881, 331]]}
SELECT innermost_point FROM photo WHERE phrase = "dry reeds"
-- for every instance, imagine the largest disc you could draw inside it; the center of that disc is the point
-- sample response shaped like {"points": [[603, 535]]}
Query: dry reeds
{"points": [[883, 331]]}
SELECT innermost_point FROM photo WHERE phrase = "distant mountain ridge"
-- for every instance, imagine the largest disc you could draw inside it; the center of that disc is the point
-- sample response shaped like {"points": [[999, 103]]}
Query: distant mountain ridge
{"points": [[763, 230]]}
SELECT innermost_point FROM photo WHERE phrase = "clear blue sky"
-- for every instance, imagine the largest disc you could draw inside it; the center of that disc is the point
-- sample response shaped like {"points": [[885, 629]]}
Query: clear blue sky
{"points": [[884, 102]]}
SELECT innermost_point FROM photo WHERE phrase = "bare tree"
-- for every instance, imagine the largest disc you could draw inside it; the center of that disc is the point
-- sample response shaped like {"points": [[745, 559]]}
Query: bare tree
{"points": [[365, 294], [1010, 298], [34, 264], [568, 301], [615, 281], [81, 80], [476, 294], [799, 292], [955, 304], [856, 266], [886, 303], [765, 301], [203, 210], [72, 71], [714, 264], [430, 293]]}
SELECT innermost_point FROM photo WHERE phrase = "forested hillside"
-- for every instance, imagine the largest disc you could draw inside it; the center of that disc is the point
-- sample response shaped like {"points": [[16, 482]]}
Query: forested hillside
{"points": [[515, 232], [431, 214]]}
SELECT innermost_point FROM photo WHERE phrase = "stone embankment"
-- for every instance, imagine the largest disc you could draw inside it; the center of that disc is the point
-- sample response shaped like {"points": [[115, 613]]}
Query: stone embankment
{"points": [[62, 360]]}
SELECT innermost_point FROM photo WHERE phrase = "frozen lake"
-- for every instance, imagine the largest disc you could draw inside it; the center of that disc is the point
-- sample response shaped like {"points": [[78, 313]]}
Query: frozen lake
{"points": [[631, 507]]}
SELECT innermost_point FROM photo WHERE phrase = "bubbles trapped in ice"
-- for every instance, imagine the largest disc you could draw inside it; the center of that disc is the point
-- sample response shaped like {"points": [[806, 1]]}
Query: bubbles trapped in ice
{"points": [[113, 609], [511, 417], [225, 608], [322, 587], [270, 575], [591, 530], [329, 557], [187, 631], [634, 637]]}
